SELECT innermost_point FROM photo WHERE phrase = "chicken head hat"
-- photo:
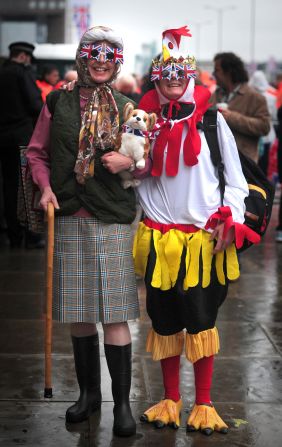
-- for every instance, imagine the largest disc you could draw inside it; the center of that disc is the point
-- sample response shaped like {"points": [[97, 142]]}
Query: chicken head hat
{"points": [[173, 61], [176, 114]]}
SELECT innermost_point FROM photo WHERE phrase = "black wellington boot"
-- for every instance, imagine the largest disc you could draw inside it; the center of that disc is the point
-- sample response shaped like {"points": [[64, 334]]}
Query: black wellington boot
{"points": [[87, 366], [119, 364]]}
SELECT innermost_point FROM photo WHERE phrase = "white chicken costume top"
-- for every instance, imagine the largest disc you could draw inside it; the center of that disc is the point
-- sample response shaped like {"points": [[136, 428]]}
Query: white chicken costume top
{"points": [[193, 195]]}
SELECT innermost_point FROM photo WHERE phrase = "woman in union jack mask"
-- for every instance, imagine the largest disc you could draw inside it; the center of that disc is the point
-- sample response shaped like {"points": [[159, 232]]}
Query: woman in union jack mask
{"points": [[73, 162], [185, 247]]}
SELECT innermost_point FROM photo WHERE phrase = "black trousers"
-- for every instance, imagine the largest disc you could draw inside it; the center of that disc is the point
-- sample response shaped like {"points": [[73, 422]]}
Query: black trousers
{"points": [[175, 309], [10, 162]]}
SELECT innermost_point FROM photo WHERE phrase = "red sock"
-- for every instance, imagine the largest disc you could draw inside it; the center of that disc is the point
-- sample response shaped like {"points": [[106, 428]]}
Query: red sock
{"points": [[203, 370], [170, 369]]}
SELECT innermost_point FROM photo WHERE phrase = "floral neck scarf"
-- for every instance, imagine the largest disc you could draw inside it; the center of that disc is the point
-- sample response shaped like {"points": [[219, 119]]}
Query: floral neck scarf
{"points": [[99, 129]]}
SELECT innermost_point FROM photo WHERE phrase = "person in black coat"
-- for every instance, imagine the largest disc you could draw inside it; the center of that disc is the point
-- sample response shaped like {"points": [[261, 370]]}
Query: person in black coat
{"points": [[20, 105]]}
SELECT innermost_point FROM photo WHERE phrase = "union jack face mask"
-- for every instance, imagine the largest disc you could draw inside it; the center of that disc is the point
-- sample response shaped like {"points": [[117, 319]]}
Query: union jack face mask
{"points": [[95, 51], [174, 70]]}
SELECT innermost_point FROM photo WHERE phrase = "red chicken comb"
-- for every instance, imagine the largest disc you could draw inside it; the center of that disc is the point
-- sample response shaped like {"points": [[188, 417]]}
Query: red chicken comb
{"points": [[178, 32]]}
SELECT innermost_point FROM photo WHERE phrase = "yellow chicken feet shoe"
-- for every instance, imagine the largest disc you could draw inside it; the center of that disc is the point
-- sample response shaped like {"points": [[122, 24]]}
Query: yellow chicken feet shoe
{"points": [[205, 418], [174, 411], [166, 412]]}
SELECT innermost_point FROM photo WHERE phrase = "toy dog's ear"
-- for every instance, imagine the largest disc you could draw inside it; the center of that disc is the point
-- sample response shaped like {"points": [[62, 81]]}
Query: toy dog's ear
{"points": [[127, 110], [152, 120]]}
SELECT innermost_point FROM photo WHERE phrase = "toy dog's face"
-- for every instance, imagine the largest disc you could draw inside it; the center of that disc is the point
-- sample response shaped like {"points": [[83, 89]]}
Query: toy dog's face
{"points": [[138, 119]]}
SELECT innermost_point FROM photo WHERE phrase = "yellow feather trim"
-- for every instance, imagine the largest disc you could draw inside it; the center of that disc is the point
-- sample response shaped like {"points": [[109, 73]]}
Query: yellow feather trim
{"points": [[203, 344], [164, 346], [194, 243], [207, 256], [160, 278], [233, 271], [141, 248], [173, 248], [169, 248], [187, 263], [219, 268]]}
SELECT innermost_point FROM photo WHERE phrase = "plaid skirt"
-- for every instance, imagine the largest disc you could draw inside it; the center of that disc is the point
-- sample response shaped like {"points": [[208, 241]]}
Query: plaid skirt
{"points": [[93, 277]]}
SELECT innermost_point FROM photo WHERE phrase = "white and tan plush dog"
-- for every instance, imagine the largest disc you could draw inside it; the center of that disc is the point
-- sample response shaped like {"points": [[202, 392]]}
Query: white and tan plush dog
{"points": [[135, 140]]}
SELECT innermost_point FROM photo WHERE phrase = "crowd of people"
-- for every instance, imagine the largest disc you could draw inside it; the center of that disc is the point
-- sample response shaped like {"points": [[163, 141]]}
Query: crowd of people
{"points": [[229, 74], [182, 248]]}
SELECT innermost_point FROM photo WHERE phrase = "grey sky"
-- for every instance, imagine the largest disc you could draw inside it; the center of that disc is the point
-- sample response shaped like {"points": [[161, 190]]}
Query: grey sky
{"points": [[144, 21]]}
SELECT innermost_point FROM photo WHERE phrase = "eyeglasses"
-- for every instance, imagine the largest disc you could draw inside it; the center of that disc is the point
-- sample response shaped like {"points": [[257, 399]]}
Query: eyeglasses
{"points": [[173, 70], [168, 73], [93, 51]]}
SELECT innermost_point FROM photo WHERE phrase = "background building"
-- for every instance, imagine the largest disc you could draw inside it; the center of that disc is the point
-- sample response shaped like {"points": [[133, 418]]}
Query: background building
{"points": [[37, 21], [54, 26], [250, 29]]}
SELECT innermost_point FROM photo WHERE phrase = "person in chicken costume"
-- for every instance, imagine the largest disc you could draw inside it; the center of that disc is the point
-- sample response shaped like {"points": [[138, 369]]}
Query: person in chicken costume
{"points": [[185, 247]]}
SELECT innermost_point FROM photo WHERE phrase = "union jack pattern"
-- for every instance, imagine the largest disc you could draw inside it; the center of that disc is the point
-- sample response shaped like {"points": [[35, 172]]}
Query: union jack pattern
{"points": [[184, 71], [167, 71], [109, 53], [118, 53], [190, 72], [156, 73], [179, 68], [86, 51], [92, 51], [176, 70]]}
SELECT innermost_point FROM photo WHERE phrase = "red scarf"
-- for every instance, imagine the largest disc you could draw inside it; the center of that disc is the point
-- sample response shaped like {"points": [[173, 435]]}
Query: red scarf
{"points": [[171, 136]]}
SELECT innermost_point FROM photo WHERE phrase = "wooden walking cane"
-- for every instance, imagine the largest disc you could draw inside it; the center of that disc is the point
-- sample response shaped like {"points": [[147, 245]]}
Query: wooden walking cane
{"points": [[49, 294]]}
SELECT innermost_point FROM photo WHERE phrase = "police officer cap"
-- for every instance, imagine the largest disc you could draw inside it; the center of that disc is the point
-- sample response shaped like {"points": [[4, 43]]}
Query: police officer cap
{"points": [[22, 46]]}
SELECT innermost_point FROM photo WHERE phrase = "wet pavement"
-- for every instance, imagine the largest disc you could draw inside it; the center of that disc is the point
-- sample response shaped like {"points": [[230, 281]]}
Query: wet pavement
{"points": [[247, 390]]}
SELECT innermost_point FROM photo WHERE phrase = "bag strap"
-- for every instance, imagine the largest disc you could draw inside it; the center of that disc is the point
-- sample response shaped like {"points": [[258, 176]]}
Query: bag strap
{"points": [[210, 130]]}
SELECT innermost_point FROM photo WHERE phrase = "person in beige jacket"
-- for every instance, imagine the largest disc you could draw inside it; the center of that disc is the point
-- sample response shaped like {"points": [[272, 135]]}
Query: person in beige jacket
{"points": [[244, 109]]}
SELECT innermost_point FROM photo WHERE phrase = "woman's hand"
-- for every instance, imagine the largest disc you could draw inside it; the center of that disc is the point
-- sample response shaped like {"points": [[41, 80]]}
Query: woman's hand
{"points": [[218, 234], [69, 86], [48, 196], [115, 162]]}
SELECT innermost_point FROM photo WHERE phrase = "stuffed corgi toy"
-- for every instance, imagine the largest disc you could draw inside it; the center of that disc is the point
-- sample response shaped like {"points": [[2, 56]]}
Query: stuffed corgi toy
{"points": [[135, 140]]}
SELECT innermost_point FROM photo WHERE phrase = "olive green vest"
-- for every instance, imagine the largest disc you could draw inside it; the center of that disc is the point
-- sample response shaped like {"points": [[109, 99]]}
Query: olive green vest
{"points": [[102, 195]]}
